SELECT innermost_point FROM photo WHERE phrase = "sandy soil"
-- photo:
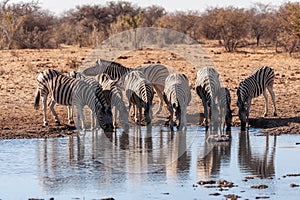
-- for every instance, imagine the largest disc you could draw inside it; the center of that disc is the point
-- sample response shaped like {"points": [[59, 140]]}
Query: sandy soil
{"points": [[19, 69]]}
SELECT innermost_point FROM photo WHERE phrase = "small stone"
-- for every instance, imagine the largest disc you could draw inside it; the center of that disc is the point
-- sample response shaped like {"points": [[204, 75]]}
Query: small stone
{"points": [[259, 186]]}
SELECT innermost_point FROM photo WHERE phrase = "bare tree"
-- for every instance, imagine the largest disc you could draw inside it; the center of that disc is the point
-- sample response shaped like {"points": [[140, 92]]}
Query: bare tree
{"points": [[289, 19]]}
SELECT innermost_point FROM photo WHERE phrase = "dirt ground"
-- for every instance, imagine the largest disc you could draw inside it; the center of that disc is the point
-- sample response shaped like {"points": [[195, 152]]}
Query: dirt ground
{"points": [[19, 69]]}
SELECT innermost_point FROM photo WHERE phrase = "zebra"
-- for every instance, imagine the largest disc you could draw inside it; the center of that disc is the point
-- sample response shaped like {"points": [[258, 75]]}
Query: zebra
{"points": [[254, 85], [113, 69], [94, 85], [155, 73], [65, 90], [207, 86], [113, 94], [139, 92], [177, 96], [225, 112]]}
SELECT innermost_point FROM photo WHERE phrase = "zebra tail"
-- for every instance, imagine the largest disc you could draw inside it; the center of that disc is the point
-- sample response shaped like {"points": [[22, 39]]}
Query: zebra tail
{"points": [[37, 100]]}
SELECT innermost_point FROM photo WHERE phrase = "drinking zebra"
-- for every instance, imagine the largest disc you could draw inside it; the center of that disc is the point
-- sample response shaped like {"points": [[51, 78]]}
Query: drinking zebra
{"points": [[113, 93], [254, 85], [139, 92], [155, 73], [177, 96], [207, 86], [94, 85], [65, 90]]}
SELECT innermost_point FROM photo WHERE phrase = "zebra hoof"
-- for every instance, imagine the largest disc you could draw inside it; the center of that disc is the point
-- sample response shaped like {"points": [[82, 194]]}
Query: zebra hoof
{"points": [[265, 114], [275, 114], [57, 123], [45, 124], [71, 121]]}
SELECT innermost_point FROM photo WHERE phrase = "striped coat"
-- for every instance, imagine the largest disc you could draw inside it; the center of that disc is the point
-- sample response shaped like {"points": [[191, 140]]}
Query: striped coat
{"points": [[65, 90], [177, 96], [207, 86], [113, 94], [257, 83], [139, 93]]}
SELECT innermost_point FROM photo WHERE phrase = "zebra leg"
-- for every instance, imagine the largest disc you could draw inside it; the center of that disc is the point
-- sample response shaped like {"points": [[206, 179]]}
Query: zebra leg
{"points": [[161, 100], [273, 99], [171, 119], [80, 116], [92, 120], [44, 100], [70, 114], [266, 102], [248, 113], [140, 114], [52, 104], [204, 102], [115, 116]]}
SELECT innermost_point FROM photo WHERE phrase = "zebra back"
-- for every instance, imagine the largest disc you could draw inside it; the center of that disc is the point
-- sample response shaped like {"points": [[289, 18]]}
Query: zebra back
{"points": [[93, 84], [113, 69], [177, 89], [155, 73], [136, 84], [208, 83]]}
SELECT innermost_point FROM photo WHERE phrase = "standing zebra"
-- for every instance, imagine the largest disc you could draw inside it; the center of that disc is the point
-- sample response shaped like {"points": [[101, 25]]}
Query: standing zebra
{"points": [[113, 93], [254, 85], [155, 73], [94, 85], [68, 91], [139, 93], [177, 96], [207, 86]]}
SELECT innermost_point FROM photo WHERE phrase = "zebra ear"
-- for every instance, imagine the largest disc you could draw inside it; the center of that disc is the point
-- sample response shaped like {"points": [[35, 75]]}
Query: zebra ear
{"points": [[72, 74]]}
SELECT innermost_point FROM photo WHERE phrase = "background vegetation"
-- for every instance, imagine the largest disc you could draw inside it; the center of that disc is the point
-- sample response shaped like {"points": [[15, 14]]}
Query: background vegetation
{"points": [[26, 25]]}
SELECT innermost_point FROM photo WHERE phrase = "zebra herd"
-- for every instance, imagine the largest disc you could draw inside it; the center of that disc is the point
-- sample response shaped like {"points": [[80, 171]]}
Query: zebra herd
{"points": [[101, 87]]}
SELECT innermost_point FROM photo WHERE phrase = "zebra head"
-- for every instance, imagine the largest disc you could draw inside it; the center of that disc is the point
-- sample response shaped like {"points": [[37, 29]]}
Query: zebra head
{"points": [[242, 104], [104, 117]]}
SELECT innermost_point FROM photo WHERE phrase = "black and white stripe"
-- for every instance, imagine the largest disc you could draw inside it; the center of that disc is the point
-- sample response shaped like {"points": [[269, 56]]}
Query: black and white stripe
{"points": [[139, 92], [225, 115], [65, 90], [177, 96], [113, 69], [207, 86], [156, 74], [94, 85], [254, 85], [113, 93]]}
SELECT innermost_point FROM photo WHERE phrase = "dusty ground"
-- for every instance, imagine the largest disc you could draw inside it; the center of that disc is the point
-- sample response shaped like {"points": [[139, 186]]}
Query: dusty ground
{"points": [[19, 69]]}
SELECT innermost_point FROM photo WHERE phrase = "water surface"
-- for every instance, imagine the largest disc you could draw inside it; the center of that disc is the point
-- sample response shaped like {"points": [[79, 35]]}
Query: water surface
{"points": [[149, 163]]}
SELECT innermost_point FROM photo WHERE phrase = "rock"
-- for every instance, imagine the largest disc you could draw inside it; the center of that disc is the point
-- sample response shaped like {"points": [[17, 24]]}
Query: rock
{"points": [[259, 186], [294, 185], [231, 196], [206, 182]]}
